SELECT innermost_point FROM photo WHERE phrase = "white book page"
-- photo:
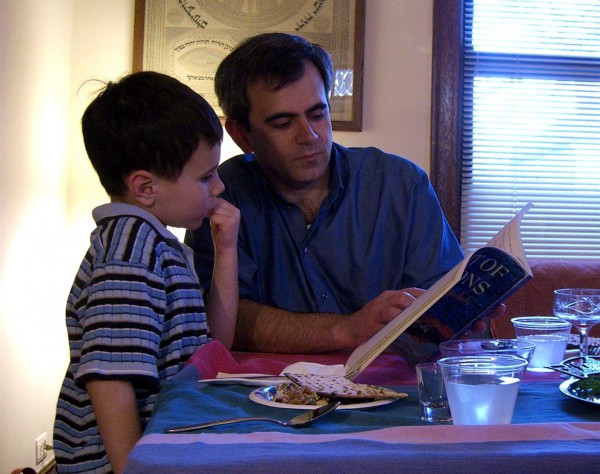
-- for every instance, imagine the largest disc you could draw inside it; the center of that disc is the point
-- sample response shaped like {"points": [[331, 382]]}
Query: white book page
{"points": [[508, 239], [370, 349]]}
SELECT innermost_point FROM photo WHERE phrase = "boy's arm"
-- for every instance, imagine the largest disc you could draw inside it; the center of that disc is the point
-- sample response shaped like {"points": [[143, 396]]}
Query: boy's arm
{"points": [[222, 302], [117, 417]]}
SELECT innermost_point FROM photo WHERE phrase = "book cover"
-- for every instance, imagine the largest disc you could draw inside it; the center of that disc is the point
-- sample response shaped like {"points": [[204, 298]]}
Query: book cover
{"points": [[489, 278]]}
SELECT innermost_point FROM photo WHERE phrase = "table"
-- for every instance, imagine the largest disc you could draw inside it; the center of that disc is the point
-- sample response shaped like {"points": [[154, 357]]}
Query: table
{"points": [[549, 430]]}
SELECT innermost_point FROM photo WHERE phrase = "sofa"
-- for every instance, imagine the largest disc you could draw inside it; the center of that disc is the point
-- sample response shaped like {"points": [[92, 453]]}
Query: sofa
{"points": [[535, 298]]}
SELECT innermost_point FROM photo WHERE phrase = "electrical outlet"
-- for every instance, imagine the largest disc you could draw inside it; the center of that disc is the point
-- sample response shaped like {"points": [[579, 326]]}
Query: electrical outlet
{"points": [[40, 448]]}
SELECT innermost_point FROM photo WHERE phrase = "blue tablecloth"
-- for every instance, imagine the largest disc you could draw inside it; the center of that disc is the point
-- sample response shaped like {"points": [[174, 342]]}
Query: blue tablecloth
{"points": [[549, 430]]}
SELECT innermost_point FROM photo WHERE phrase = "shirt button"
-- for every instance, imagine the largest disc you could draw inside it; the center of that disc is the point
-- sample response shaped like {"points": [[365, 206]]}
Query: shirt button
{"points": [[306, 250], [324, 295]]}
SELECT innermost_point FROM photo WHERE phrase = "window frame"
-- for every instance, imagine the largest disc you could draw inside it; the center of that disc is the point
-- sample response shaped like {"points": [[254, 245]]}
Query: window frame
{"points": [[446, 108]]}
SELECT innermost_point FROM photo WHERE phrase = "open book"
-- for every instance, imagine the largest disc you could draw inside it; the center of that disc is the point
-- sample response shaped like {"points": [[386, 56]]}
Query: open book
{"points": [[470, 290]]}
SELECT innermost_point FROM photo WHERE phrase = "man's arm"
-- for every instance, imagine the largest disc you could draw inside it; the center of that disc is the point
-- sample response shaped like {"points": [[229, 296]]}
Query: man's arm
{"points": [[262, 328], [117, 417]]}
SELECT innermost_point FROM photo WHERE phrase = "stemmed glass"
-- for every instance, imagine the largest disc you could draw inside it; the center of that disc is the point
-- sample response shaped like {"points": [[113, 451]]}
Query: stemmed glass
{"points": [[581, 308]]}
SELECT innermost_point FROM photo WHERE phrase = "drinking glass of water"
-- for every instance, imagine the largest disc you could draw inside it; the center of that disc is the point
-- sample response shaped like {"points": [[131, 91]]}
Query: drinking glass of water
{"points": [[482, 390], [581, 308], [550, 336]]}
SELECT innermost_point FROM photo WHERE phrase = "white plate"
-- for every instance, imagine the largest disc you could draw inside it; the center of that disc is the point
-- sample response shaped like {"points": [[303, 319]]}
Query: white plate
{"points": [[265, 395]]}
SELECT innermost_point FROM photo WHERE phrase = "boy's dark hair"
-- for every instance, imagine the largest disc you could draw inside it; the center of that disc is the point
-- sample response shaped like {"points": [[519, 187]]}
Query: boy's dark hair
{"points": [[277, 58], [146, 121]]}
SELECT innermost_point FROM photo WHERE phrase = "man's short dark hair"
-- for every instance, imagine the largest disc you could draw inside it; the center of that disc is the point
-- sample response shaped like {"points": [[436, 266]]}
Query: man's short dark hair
{"points": [[277, 58], [146, 121]]}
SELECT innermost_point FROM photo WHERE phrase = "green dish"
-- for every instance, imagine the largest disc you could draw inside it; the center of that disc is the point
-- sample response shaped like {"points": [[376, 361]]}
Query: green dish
{"points": [[586, 390]]}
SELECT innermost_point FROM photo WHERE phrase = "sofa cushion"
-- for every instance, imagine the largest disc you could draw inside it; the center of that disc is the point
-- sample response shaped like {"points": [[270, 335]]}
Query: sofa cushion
{"points": [[535, 298]]}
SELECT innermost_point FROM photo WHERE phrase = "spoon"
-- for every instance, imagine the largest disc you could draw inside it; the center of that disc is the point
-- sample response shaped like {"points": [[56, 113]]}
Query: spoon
{"points": [[299, 421]]}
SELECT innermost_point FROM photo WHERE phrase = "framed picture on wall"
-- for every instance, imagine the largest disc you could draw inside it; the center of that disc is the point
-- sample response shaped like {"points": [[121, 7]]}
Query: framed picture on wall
{"points": [[188, 39]]}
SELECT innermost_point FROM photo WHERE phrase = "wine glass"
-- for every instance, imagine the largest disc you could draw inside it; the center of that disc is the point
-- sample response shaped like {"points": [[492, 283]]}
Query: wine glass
{"points": [[580, 307]]}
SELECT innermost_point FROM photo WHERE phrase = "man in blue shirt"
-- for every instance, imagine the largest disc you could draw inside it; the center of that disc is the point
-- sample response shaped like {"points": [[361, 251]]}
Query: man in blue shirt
{"points": [[333, 242]]}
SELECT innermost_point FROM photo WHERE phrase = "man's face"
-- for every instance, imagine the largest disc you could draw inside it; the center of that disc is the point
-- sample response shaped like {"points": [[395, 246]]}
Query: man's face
{"points": [[290, 132]]}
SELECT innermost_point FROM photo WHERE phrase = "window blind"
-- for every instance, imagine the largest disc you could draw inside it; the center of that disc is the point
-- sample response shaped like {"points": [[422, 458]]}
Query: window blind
{"points": [[531, 124]]}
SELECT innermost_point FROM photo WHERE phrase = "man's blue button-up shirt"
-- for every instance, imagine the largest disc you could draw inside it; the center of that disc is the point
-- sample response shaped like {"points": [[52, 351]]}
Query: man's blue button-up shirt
{"points": [[380, 228]]}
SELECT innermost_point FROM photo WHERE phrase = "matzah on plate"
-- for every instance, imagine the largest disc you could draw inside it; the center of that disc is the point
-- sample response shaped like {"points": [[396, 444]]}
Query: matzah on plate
{"points": [[338, 387]]}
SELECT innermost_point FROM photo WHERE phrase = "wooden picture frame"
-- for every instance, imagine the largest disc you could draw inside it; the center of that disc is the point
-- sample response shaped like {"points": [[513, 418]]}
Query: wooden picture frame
{"points": [[187, 39]]}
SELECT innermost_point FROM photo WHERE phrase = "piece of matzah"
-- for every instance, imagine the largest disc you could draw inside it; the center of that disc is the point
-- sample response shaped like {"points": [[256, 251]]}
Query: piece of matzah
{"points": [[336, 386]]}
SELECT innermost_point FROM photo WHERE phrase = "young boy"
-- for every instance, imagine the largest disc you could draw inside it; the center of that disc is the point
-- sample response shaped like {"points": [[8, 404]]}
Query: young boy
{"points": [[136, 313]]}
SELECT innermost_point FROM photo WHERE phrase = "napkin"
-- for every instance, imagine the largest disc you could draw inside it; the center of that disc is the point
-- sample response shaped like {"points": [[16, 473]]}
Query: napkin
{"points": [[259, 380], [214, 361], [314, 368]]}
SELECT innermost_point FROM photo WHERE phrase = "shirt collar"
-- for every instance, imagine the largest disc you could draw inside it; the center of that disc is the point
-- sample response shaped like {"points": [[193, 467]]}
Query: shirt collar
{"points": [[115, 209]]}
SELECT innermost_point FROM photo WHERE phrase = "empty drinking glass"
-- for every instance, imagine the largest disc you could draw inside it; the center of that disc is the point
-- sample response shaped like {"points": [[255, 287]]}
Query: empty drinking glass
{"points": [[432, 393]]}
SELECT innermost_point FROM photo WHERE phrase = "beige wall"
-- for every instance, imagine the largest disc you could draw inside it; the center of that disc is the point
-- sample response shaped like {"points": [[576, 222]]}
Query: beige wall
{"points": [[48, 49]]}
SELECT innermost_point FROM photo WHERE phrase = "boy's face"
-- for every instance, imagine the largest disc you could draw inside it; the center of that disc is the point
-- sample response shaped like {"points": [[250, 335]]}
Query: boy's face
{"points": [[188, 200]]}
